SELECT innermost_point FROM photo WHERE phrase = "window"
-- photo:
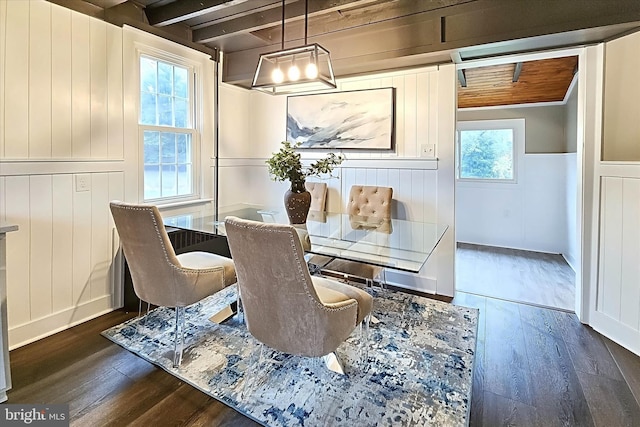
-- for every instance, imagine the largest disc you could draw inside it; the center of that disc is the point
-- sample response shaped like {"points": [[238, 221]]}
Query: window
{"points": [[487, 150], [166, 123]]}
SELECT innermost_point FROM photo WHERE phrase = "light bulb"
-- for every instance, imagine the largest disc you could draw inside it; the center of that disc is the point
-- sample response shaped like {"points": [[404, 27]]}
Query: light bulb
{"points": [[311, 71], [277, 76], [294, 73]]}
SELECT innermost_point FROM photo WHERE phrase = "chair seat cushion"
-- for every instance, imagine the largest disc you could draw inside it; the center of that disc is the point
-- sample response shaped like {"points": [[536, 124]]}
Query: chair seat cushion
{"points": [[357, 269], [333, 293], [202, 260]]}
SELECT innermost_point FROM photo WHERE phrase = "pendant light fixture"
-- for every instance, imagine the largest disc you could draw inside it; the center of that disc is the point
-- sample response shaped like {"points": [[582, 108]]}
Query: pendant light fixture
{"points": [[301, 69]]}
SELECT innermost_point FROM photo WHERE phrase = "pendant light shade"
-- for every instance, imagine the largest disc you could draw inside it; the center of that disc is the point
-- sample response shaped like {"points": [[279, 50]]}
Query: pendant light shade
{"points": [[300, 69], [305, 68]]}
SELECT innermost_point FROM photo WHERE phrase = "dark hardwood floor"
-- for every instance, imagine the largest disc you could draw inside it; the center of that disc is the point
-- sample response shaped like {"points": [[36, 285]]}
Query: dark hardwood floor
{"points": [[534, 367]]}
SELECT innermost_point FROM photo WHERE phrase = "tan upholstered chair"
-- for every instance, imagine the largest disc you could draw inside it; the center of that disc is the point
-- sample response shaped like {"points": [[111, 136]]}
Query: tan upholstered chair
{"points": [[161, 277], [318, 192], [284, 307], [317, 213], [368, 207]]}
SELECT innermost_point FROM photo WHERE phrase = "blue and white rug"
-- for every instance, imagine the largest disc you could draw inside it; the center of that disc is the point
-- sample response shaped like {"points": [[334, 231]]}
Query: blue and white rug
{"points": [[418, 371]]}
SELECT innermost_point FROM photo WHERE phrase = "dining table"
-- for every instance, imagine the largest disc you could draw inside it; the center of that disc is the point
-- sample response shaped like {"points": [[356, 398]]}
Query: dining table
{"points": [[398, 244]]}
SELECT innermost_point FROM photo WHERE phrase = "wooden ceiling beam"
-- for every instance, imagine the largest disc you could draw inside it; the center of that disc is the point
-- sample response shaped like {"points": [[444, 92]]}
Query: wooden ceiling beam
{"points": [[516, 72], [183, 10], [462, 78], [258, 21]]}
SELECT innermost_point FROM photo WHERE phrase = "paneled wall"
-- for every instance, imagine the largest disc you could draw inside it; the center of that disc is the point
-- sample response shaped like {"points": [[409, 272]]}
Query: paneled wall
{"points": [[618, 296], [423, 187], [61, 154]]}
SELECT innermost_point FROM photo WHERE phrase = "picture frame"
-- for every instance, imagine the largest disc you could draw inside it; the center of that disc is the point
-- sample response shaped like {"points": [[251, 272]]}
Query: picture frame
{"points": [[358, 120]]}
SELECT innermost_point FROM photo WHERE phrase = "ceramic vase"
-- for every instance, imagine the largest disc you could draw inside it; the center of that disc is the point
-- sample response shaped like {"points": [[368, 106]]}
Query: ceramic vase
{"points": [[297, 201]]}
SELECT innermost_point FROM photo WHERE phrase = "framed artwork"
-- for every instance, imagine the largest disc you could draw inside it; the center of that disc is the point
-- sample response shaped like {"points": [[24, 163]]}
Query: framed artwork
{"points": [[360, 119]]}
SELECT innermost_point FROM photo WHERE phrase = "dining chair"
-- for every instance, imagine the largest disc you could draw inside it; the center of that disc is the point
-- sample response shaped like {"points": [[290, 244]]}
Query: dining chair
{"points": [[284, 307], [369, 207], [318, 192], [160, 277]]}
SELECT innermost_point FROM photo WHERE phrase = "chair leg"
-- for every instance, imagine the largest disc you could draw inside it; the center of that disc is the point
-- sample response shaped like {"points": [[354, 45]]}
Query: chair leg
{"points": [[332, 363], [383, 282], [364, 339], [178, 343], [255, 373], [226, 313]]}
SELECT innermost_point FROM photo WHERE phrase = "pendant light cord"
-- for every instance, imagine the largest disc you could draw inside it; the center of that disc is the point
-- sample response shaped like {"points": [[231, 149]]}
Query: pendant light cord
{"points": [[282, 42], [306, 19]]}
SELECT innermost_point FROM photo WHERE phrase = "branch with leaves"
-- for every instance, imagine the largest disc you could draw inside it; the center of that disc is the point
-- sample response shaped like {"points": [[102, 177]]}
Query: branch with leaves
{"points": [[286, 164]]}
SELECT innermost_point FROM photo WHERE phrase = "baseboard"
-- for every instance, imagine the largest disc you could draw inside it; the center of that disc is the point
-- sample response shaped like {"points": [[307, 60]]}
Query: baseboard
{"points": [[571, 261], [56, 322], [411, 281]]}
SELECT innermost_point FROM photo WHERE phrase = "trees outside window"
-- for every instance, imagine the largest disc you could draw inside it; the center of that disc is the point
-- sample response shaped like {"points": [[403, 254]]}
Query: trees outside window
{"points": [[489, 151], [486, 154]]}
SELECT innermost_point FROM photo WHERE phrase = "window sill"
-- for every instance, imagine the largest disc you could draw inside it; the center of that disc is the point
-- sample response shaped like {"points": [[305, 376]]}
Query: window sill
{"points": [[183, 203]]}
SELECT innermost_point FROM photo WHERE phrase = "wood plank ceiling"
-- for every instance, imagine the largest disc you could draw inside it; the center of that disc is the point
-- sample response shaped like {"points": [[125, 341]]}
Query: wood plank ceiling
{"points": [[535, 81]]}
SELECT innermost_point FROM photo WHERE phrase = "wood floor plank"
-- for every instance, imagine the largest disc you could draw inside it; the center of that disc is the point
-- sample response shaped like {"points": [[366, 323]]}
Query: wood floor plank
{"points": [[588, 352], [618, 409], [629, 365], [501, 411], [506, 365], [557, 392], [544, 320]]}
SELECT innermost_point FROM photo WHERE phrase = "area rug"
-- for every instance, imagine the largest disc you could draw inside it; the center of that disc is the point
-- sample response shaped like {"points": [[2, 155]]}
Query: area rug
{"points": [[418, 369]]}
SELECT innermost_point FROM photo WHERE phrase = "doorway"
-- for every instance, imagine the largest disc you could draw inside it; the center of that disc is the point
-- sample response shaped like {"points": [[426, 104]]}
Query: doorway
{"points": [[516, 192]]}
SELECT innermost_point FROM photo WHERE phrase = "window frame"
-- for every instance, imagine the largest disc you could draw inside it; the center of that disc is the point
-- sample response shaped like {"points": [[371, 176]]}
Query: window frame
{"points": [[194, 130], [518, 128]]}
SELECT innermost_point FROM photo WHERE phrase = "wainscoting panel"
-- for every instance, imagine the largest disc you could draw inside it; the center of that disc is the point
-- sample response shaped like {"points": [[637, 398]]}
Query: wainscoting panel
{"points": [[40, 93], [16, 80], [61, 81], [62, 260], [618, 289], [60, 257]]}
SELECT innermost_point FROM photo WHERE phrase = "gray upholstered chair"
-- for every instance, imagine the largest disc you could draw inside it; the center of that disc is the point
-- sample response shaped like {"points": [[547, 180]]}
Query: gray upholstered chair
{"points": [[161, 277], [368, 207], [284, 307]]}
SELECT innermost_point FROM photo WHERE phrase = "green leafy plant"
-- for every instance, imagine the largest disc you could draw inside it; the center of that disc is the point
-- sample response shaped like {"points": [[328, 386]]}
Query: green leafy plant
{"points": [[285, 164]]}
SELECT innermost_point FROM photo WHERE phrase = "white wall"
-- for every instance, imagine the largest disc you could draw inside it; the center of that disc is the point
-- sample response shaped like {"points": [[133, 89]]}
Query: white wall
{"points": [[545, 131], [61, 119], [253, 124]]}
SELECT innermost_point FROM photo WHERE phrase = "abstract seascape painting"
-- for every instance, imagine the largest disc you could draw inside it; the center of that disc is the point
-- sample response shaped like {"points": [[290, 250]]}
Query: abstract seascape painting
{"points": [[362, 119]]}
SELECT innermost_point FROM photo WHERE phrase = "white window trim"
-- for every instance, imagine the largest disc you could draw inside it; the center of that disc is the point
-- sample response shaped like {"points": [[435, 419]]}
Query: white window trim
{"points": [[135, 44], [518, 126]]}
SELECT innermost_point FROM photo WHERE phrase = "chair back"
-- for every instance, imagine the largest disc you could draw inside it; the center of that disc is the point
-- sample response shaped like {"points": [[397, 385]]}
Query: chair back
{"points": [[370, 201], [318, 192], [155, 270], [282, 308]]}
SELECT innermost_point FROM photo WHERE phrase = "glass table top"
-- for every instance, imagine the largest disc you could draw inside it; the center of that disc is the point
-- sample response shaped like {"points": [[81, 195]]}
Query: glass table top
{"points": [[397, 244]]}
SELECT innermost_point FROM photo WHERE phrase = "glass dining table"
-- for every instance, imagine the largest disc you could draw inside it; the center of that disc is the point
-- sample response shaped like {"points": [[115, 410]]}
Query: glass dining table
{"points": [[395, 244]]}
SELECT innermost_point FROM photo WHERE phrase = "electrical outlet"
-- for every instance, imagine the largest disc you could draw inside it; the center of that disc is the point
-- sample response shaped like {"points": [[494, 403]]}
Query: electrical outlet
{"points": [[428, 150], [83, 182]]}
